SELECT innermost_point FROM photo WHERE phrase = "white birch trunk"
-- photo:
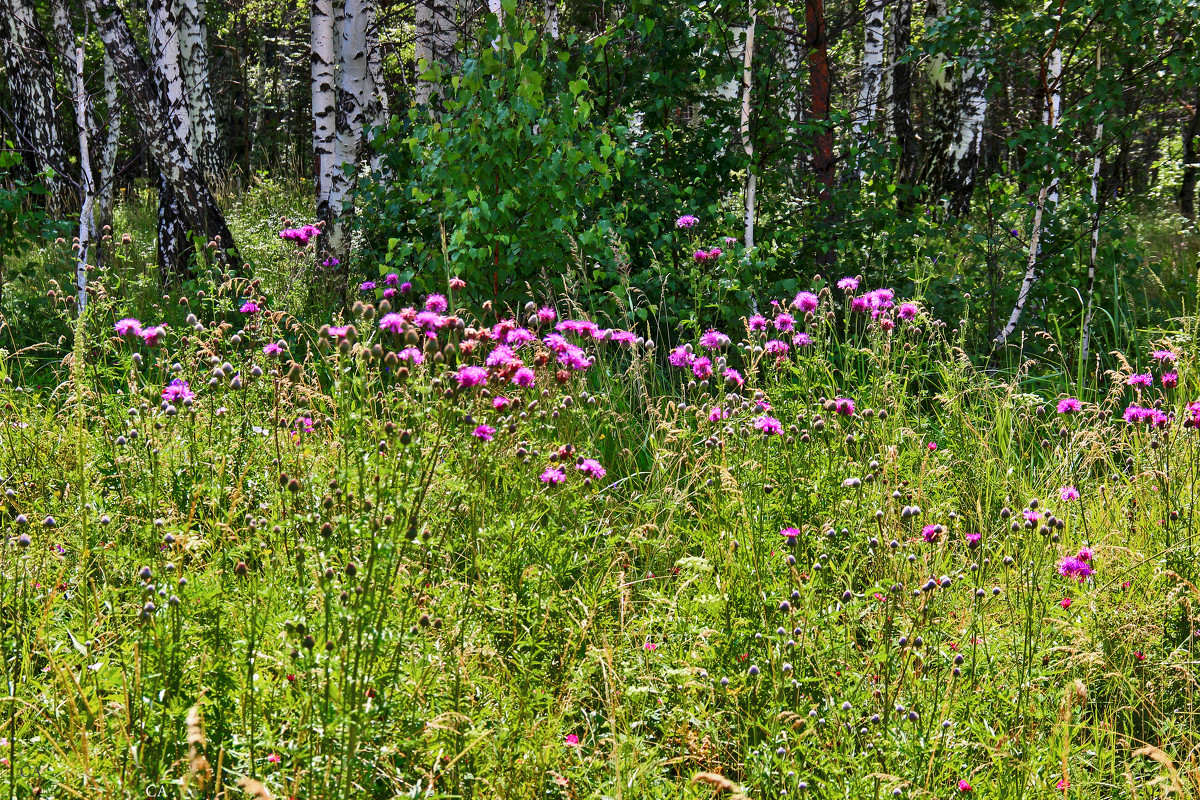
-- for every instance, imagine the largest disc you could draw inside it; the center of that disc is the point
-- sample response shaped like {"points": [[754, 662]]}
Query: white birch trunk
{"points": [[872, 74], [324, 102], [352, 84], [375, 109], [31, 89], [965, 149], [551, 11], [1094, 249], [112, 141], [192, 28], [163, 32], [495, 7], [437, 34], [87, 223], [1048, 196], [747, 142]]}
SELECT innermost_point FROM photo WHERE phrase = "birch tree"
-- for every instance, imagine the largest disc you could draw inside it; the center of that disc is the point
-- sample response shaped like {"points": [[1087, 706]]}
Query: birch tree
{"points": [[195, 207], [747, 142], [323, 49], [872, 76], [352, 85], [550, 9], [1047, 197], [940, 115], [375, 106], [436, 37], [192, 26], [900, 94], [111, 144], [87, 222], [963, 161], [31, 88]]}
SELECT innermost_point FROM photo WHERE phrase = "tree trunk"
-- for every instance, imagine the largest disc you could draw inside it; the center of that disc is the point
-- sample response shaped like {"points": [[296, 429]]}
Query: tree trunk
{"points": [[192, 26], [747, 142], [436, 36], [87, 223], [31, 87], [163, 32], [112, 141], [550, 8], [963, 162], [324, 103], [1187, 184], [1093, 251], [900, 99], [819, 87], [197, 209], [1047, 197], [941, 113], [375, 108], [872, 73], [351, 89]]}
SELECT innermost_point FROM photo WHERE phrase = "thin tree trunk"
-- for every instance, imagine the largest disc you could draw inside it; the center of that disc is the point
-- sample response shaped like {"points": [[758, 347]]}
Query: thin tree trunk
{"points": [[1047, 197], [436, 36], [31, 87], [1093, 251], [1187, 185], [747, 142], [324, 103], [872, 73], [112, 141], [941, 113], [192, 24], [375, 110], [163, 32], [198, 211], [819, 87], [87, 223], [963, 162], [550, 8], [352, 84], [900, 97]]}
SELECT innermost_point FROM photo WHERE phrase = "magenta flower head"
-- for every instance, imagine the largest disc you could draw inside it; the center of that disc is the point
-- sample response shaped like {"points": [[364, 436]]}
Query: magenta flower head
{"points": [[1170, 380], [523, 377], [717, 414], [713, 340], [681, 357], [177, 391], [1068, 493], [769, 426], [790, 534], [686, 221], [367, 286], [484, 432], [909, 311], [592, 468], [974, 540], [733, 377], [757, 323], [471, 376], [572, 739], [128, 327], [1144, 379], [391, 279], [436, 303], [392, 323], [844, 406], [1085, 554], [702, 368], [153, 336], [1069, 405], [553, 476], [700, 255], [805, 302], [775, 347], [329, 263], [1074, 567], [802, 339], [546, 315], [848, 284], [963, 786], [273, 349], [785, 323], [931, 533], [249, 307], [405, 287], [1163, 355]]}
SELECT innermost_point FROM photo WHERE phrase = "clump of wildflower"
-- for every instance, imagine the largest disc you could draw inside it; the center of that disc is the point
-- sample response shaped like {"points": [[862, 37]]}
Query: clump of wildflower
{"points": [[153, 336], [484, 432], [844, 406], [909, 311], [1068, 493], [523, 377], [391, 279], [785, 323], [1069, 405], [546, 315], [273, 349], [681, 357], [367, 286], [1163, 355], [1143, 379], [686, 221], [802, 339], [756, 323], [436, 303], [249, 307], [553, 476], [702, 367], [776, 347], [1074, 567], [848, 284], [301, 235], [1170, 380], [128, 327], [392, 322]]}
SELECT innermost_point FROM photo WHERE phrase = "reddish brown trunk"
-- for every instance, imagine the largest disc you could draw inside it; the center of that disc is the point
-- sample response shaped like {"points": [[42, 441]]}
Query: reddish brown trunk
{"points": [[818, 84]]}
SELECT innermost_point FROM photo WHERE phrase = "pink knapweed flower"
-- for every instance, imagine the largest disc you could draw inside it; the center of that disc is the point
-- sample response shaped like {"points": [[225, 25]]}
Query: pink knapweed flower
{"points": [[128, 327], [471, 376], [553, 476], [1068, 405], [769, 426], [1144, 379], [592, 468], [805, 302], [1068, 493], [249, 307], [848, 284], [686, 221], [1074, 567]]}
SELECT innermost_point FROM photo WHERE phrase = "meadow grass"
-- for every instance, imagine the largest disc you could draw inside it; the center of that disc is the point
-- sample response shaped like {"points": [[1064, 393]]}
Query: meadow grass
{"points": [[441, 549]]}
